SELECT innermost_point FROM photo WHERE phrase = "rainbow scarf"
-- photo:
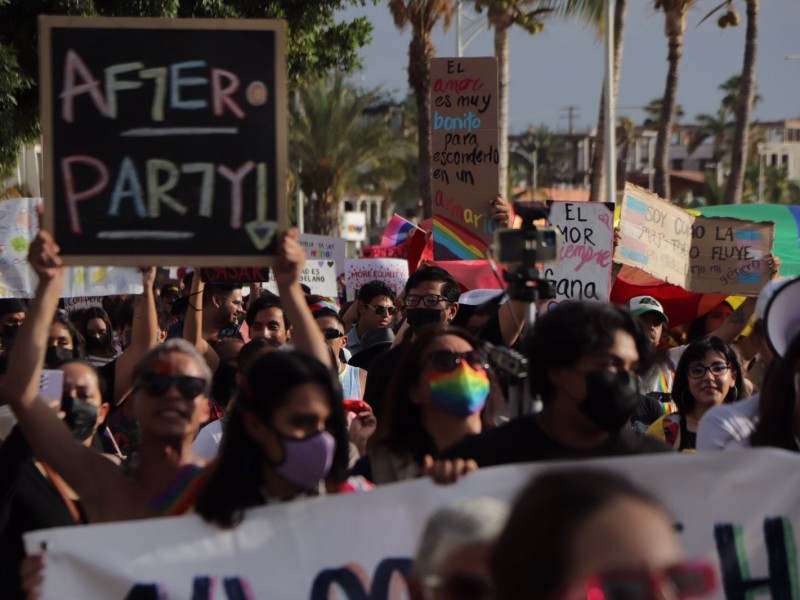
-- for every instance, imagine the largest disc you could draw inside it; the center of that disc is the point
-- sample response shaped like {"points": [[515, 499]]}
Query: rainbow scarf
{"points": [[180, 496], [461, 392]]}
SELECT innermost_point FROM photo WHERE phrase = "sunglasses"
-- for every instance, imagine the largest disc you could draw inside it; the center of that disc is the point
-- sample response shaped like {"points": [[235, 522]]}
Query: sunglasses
{"points": [[381, 310], [445, 361], [158, 385], [332, 334], [461, 586], [697, 371], [685, 580]]}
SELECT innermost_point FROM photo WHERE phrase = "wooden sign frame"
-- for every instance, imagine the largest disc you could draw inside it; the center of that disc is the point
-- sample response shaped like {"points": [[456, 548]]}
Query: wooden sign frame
{"points": [[259, 221]]}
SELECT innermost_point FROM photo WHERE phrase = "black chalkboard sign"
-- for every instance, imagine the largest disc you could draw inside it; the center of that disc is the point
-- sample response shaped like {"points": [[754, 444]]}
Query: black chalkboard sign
{"points": [[164, 140]]}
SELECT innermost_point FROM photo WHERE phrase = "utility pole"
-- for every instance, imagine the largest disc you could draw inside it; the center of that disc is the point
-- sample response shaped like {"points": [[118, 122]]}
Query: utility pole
{"points": [[465, 34], [571, 116]]}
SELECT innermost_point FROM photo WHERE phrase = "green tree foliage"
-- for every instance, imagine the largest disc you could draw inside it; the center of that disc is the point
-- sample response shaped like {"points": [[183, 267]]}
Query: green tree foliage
{"points": [[341, 140], [316, 43]]}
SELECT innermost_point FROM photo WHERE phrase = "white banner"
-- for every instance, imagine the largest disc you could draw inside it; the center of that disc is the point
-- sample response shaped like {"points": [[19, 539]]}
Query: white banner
{"points": [[739, 509], [18, 226], [324, 247], [318, 275]]}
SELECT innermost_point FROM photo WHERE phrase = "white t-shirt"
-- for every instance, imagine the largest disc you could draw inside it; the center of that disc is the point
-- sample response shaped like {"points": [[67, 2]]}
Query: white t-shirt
{"points": [[661, 375], [206, 444], [728, 426]]}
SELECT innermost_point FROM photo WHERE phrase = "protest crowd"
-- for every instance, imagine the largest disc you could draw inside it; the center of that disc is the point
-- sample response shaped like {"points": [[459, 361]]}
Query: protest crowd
{"points": [[196, 398]]}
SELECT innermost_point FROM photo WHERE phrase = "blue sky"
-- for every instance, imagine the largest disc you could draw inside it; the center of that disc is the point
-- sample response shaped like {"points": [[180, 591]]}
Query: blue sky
{"points": [[563, 65]]}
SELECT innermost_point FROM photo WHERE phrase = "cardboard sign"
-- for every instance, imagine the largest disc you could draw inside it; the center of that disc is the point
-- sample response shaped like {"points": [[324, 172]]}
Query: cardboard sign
{"points": [[711, 255], [583, 270], [18, 227], [323, 247], [465, 155], [738, 510], [318, 275], [358, 271], [164, 140]]}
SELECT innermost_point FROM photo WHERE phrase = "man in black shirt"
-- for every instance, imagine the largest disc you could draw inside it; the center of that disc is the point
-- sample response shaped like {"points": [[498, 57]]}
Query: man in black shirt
{"points": [[583, 357]]}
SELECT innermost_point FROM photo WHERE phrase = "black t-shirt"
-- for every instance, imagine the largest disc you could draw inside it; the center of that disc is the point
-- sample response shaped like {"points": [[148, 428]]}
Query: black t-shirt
{"points": [[380, 373], [522, 440], [28, 501]]}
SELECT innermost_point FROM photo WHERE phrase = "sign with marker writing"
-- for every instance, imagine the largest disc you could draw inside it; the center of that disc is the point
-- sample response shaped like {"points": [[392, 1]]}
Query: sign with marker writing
{"points": [[165, 140], [324, 247], [711, 255], [18, 226], [235, 275], [318, 275], [583, 269], [465, 155], [391, 271]]}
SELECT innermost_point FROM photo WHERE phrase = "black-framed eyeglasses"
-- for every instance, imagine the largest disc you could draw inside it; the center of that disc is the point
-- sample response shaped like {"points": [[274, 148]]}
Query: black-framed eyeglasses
{"points": [[429, 300], [698, 371], [332, 333], [381, 310], [446, 360], [158, 384]]}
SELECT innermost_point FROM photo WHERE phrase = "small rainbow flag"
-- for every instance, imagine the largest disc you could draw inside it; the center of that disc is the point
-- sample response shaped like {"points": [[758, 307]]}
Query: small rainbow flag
{"points": [[397, 231], [452, 241]]}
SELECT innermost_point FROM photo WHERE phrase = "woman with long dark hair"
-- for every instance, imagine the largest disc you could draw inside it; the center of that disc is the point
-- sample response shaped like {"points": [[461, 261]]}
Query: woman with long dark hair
{"points": [[286, 438], [708, 374], [441, 391], [778, 406], [97, 332]]}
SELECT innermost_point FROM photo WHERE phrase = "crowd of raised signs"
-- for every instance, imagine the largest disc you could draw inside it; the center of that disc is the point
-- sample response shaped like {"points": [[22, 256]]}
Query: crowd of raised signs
{"points": [[195, 397]]}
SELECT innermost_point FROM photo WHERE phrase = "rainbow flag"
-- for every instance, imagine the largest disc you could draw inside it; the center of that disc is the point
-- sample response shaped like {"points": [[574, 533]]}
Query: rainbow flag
{"points": [[452, 241], [397, 231]]}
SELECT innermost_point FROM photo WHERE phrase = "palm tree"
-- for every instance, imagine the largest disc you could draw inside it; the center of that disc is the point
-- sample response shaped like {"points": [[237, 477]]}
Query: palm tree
{"points": [[502, 15], [718, 128], [653, 112], [548, 150], [336, 147], [733, 89], [744, 107], [422, 16], [624, 135], [674, 28]]}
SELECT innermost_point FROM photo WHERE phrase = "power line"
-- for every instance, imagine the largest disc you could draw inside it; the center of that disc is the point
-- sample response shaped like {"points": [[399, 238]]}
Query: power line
{"points": [[571, 116]]}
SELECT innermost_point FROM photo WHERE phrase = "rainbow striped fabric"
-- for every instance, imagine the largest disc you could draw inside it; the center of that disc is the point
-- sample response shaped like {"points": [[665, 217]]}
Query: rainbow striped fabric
{"points": [[452, 241], [180, 496]]}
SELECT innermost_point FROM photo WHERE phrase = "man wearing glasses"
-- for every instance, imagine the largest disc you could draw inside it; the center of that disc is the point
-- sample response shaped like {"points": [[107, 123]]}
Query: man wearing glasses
{"points": [[374, 309]]}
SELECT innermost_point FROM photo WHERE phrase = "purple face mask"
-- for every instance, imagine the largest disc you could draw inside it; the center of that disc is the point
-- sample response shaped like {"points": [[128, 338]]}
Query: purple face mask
{"points": [[306, 461]]}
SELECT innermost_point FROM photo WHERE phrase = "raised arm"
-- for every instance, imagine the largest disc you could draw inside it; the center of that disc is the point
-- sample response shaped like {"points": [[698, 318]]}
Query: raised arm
{"points": [[51, 440], [306, 335], [144, 335], [193, 322]]}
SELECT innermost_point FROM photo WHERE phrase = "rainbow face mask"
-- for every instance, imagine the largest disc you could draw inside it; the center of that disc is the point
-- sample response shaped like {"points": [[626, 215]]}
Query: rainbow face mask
{"points": [[461, 392]]}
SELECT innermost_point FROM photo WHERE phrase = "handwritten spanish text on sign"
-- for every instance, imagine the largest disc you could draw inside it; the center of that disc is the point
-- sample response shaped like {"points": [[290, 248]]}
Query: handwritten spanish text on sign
{"points": [[464, 143], [710, 255], [391, 271], [319, 247], [583, 269], [318, 275], [165, 140]]}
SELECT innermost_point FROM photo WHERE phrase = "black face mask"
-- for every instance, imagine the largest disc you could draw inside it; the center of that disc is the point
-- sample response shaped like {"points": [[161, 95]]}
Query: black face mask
{"points": [[55, 355], [97, 343], [610, 398], [418, 317], [80, 416]]}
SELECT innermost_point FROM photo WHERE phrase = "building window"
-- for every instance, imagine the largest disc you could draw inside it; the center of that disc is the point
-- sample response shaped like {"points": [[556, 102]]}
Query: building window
{"points": [[677, 164]]}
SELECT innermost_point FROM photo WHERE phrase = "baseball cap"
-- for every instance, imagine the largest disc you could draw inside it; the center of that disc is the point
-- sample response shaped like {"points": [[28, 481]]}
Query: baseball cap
{"points": [[645, 304]]}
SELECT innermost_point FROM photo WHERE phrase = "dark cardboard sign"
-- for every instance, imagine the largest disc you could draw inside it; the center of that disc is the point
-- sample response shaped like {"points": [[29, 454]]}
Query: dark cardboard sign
{"points": [[165, 140]]}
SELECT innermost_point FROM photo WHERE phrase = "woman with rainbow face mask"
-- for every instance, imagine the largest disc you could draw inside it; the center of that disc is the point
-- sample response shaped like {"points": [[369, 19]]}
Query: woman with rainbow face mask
{"points": [[441, 391]]}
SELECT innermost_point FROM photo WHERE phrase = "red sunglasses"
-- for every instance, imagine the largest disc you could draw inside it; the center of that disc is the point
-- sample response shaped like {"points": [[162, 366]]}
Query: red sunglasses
{"points": [[685, 581]]}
